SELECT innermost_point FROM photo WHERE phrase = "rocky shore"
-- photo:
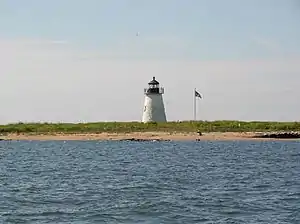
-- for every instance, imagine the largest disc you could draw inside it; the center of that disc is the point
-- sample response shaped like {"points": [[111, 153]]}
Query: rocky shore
{"points": [[279, 135]]}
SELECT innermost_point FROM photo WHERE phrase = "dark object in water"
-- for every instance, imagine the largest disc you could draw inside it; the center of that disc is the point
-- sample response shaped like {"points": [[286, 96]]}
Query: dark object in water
{"points": [[281, 135], [142, 140]]}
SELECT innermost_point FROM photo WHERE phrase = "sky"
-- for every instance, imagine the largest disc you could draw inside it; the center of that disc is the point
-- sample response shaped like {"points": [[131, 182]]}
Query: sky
{"points": [[81, 61]]}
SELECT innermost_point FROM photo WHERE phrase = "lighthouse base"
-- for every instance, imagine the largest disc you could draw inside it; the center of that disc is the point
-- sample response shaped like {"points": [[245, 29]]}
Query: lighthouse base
{"points": [[154, 109]]}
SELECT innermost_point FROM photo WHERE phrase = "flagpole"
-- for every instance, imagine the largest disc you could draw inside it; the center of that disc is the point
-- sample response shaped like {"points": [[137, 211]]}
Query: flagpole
{"points": [[195, 108]]}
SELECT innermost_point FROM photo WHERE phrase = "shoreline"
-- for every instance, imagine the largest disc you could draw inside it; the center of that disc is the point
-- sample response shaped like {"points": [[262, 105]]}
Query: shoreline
{"points": [[163, 136]]}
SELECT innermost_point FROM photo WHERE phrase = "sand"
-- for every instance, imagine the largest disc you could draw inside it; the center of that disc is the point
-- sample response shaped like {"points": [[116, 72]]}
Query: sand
{"points": [[138, 135]]}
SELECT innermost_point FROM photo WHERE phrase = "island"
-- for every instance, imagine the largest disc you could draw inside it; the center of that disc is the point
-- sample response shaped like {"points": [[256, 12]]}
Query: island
{"points": [[152, 131]]}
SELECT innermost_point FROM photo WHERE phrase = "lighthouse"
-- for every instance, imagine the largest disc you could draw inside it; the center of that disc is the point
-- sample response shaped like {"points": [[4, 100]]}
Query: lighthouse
{"points": [[154, 109]]}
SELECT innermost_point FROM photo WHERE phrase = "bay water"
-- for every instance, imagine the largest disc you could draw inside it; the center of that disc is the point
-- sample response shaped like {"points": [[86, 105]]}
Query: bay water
{"points": [[149, 182]]}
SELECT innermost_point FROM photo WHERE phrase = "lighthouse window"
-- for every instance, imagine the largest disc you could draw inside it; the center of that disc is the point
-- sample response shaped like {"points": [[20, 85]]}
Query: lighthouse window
{"points": [[153, 86]]}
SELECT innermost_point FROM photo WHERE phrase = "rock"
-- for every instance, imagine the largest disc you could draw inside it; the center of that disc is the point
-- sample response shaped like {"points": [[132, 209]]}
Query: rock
{"points": [[142, 140], [199, 133], [279, 135]]}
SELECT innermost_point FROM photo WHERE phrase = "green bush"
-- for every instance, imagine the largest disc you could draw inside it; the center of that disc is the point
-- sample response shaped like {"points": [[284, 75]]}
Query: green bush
{"points": [[171, 127]]}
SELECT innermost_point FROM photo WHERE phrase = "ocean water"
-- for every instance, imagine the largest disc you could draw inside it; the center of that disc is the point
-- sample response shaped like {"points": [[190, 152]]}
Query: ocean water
{"points": [[149, 182]]}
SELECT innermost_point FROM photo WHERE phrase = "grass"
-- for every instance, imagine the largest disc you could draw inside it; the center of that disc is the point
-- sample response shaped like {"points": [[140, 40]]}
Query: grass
{"points": [[170, 127]]}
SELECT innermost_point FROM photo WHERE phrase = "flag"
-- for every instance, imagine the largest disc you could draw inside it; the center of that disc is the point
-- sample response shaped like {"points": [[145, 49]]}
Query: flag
{"points": [[198, 94]]}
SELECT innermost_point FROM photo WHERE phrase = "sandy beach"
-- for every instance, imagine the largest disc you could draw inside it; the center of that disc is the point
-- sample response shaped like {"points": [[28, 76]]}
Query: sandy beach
{"points": [[139, 135]]}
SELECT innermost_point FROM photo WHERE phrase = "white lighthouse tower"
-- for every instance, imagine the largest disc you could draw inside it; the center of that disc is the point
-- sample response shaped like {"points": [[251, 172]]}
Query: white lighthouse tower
{"points": [[154, 109]]}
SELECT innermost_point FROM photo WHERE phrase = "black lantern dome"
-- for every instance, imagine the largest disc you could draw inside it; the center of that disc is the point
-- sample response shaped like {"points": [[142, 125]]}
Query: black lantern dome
{"points": [[153, 81], [153, 87]]}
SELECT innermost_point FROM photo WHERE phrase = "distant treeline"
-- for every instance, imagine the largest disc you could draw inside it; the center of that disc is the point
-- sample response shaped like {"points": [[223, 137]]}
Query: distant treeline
{"points": [[126, 127]]}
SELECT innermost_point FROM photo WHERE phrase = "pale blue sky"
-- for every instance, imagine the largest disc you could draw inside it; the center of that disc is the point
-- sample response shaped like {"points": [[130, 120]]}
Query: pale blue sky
{"points": [[71, 60]]}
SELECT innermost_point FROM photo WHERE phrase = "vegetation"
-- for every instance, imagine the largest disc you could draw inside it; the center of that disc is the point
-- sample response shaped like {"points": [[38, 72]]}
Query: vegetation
{"points": [[171, 127]]}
